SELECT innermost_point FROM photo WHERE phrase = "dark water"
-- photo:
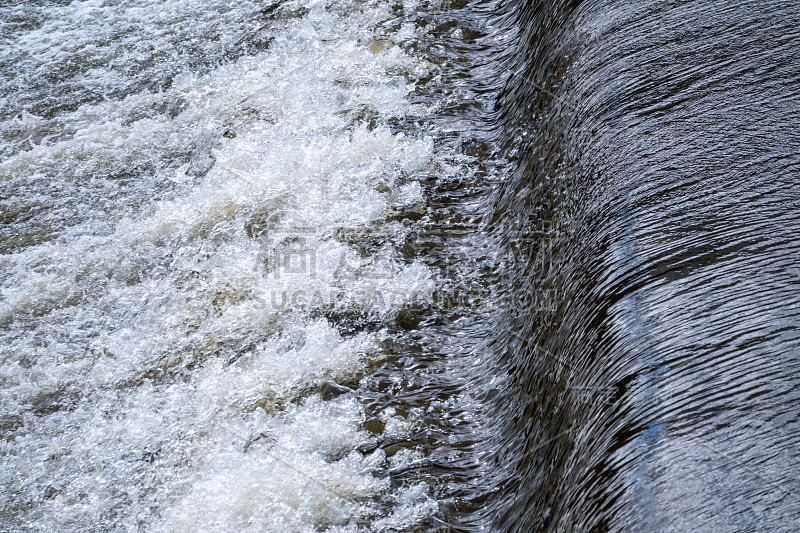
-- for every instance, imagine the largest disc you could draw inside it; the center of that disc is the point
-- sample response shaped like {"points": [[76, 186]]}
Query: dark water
{"points": [[649, 342]]}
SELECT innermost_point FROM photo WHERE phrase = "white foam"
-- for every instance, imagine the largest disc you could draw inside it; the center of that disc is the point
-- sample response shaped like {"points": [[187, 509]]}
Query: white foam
{"points": [[154, 345]]}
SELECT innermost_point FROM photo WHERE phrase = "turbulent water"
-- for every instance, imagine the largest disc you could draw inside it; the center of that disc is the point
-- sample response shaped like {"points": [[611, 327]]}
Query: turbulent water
{"points": [[218, 222], [430, 265]]}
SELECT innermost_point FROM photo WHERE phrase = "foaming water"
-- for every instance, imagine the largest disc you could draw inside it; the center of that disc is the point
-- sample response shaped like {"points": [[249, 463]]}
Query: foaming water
{"points": [[399, 266], [650, 336], [212, 261]]}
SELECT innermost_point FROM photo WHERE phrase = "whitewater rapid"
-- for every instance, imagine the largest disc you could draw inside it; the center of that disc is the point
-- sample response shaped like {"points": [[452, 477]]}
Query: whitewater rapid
{"points": [[188, 188]]}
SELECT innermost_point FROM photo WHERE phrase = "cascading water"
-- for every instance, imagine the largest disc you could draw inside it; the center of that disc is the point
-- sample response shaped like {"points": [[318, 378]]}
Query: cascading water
{"points": [[649, 341], [430, 265]]}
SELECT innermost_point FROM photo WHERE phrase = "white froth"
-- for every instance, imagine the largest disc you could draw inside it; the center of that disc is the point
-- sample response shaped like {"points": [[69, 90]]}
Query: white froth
{"points": [[162, 352]]}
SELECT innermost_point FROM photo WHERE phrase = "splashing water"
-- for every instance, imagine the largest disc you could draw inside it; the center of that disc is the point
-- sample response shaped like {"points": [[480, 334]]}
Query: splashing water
{"points": [[204, 206]]}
